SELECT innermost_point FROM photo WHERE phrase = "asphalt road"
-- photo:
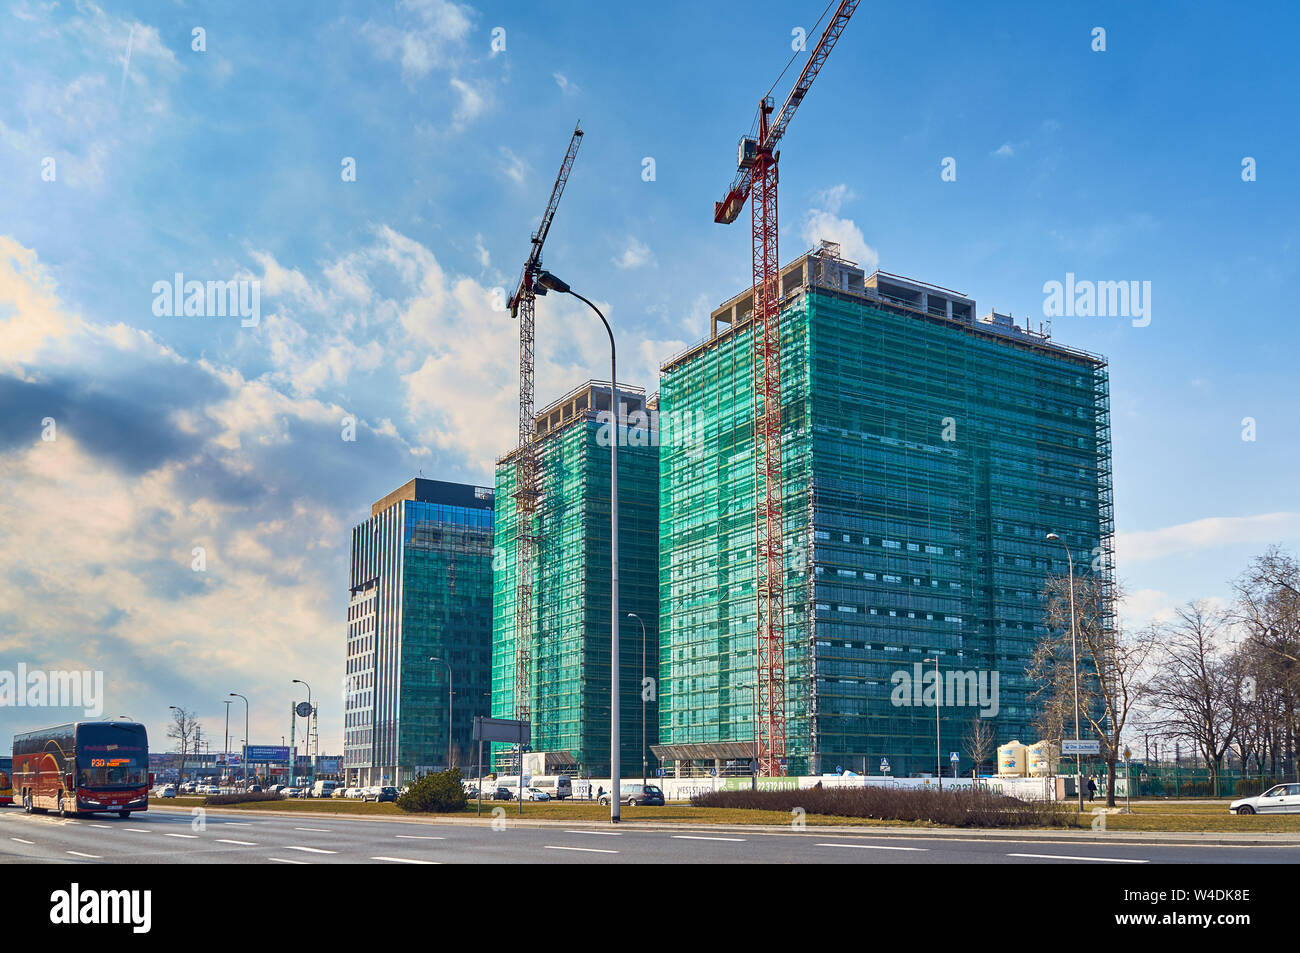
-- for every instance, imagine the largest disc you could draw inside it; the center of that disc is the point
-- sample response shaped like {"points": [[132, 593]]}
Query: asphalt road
{"points": [[174, 837]]}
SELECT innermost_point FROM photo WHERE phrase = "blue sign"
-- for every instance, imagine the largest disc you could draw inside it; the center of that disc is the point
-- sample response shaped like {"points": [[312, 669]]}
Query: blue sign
{"points": [[266, 754]]}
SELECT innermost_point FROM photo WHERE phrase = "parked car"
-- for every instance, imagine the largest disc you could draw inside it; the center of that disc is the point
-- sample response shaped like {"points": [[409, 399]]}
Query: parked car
{"points": [[378, 794], [650, 795], [339, 792], [209, 789], [167, 790], [503, 794], [290, 792], [535, 794], [1279, 799]]}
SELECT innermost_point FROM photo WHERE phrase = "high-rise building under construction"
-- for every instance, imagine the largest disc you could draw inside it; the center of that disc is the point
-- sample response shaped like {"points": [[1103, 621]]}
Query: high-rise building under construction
{"points": [[568, 636], [926, 453]]}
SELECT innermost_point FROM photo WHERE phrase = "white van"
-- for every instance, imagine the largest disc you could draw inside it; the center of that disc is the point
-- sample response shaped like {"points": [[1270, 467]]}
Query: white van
{"points": [[323, 788], [558, 786]]}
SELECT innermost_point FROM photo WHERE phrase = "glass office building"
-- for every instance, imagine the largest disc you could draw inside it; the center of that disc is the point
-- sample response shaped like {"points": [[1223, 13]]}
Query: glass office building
{"points": [[926, 454], [569, 688], [421, 586]]}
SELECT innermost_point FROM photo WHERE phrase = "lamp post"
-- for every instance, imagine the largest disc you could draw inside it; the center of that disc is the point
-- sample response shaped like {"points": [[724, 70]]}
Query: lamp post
{"points": [[311, 759], [938, 692], [434, 658], [244, 759], [1074, 645], [644, 758], [548, 282], [753, 770], [226, 754]]}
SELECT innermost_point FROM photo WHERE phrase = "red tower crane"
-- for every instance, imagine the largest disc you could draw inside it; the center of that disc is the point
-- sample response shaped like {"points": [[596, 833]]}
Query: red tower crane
{"points": [[526, 492], [756, 178]]}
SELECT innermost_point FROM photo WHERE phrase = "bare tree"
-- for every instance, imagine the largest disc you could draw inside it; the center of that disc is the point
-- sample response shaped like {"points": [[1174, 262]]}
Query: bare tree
{"points": [[1111, 668], [979, 741], [187, 734], [1197, 690]]}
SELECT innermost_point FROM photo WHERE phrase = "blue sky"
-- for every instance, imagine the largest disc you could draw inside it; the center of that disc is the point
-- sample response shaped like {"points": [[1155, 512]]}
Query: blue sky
{"points": [[377, 295]]}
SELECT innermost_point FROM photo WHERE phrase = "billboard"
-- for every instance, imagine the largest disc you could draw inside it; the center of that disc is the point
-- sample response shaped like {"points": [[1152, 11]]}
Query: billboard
{"points": [[266, 754]]}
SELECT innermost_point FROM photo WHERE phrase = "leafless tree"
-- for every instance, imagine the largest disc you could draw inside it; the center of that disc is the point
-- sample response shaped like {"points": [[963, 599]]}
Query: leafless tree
{"points": [[1197, 688], [979, 743], [1111, 670], [187, 733]]}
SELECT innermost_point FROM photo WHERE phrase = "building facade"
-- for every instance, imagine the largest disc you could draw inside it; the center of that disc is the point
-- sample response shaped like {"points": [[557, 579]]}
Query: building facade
{"points": [[569, 693], [926, 455], [420, 586]]}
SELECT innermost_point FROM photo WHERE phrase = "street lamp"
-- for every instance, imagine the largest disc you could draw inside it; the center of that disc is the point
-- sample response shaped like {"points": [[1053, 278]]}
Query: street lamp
{"points": [[226, 754], [1074, 644], [434, 658], [753, 771], [644, 750], [938, 692], [311, 758], [549, 282], [244, 759]]}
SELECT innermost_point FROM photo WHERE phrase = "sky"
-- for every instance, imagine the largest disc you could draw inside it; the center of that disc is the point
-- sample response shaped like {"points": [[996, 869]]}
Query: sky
{"points": [[177, 492]]}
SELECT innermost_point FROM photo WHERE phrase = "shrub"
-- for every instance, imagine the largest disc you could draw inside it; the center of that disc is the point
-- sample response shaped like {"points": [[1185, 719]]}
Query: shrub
{"points": [[435, 792], [216, 799], [952, 808]]}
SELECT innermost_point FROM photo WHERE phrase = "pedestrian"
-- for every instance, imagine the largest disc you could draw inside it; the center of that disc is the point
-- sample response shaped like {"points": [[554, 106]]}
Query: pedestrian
{"points": [[1092, 790], [600, 793]]}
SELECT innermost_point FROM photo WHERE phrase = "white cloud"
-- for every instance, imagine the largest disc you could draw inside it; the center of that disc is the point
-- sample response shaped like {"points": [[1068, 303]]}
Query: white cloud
{"points": [[635, 254], [566, 86], [431, 36], [471, 100], [1005, 151], [1205, 534], [513, 167], [822, 221]]}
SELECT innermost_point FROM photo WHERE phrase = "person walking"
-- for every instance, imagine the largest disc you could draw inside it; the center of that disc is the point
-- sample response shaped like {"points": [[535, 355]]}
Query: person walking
{"points": [[1092, 790]]}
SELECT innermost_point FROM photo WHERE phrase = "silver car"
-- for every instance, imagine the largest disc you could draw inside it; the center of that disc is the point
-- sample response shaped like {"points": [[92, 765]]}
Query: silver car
{"points": [[1279, 799]]}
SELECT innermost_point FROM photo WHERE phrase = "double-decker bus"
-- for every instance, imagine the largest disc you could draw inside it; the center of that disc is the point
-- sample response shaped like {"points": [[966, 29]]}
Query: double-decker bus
{"points": [[6, 781], [86, 766]]}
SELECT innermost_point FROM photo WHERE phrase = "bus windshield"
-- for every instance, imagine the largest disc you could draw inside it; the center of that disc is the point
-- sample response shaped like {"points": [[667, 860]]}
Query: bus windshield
{"points": [[110, 756]]}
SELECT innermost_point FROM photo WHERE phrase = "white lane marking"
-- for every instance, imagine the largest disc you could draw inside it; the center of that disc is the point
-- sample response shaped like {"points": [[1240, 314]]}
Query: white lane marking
{"points": [[312, 850], [404, 860], [1099, 860], [588, 850], [873, 847], [187, 836], [137, 830], [602, 833], [80, 854], [241, 843], [107, 827], [318, 830], [737, 840], [21, 841], [417, 837], [285, 860]]}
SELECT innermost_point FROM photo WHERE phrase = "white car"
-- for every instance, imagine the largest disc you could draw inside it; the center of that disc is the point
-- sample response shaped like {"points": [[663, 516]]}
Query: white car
{"points": [[1279, 799], [535, 794], [167, 790]]}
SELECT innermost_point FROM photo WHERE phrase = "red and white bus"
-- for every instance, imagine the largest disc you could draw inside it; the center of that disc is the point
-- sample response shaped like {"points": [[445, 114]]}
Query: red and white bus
{"points": [[83, 767]]}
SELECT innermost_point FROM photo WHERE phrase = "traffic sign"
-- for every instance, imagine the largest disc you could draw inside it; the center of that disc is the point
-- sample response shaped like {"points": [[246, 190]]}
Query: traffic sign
{"points": [[884, 765], [1128, 753], [954, 757], [1080, 746], [303, 710]]}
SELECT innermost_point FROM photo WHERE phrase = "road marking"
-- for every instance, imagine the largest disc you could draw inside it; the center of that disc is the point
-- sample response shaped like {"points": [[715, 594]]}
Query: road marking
{"points": [[285, 860], [137, 830], [187, 836], [21, 841], [241, 843], [107, 827], [417, 837], [602, 833], [589, 850], [318, 830], [737, 840], [312, 850], [1100, 860], [873, 847], [404, 860], [80, 854]]}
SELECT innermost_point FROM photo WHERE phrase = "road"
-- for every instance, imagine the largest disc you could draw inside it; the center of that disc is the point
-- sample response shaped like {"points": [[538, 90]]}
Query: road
{"points": [[162, 836]]}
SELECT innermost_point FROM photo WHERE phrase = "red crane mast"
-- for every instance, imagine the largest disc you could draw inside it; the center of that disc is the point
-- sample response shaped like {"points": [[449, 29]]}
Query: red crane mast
{"points": [[756, 179]]}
